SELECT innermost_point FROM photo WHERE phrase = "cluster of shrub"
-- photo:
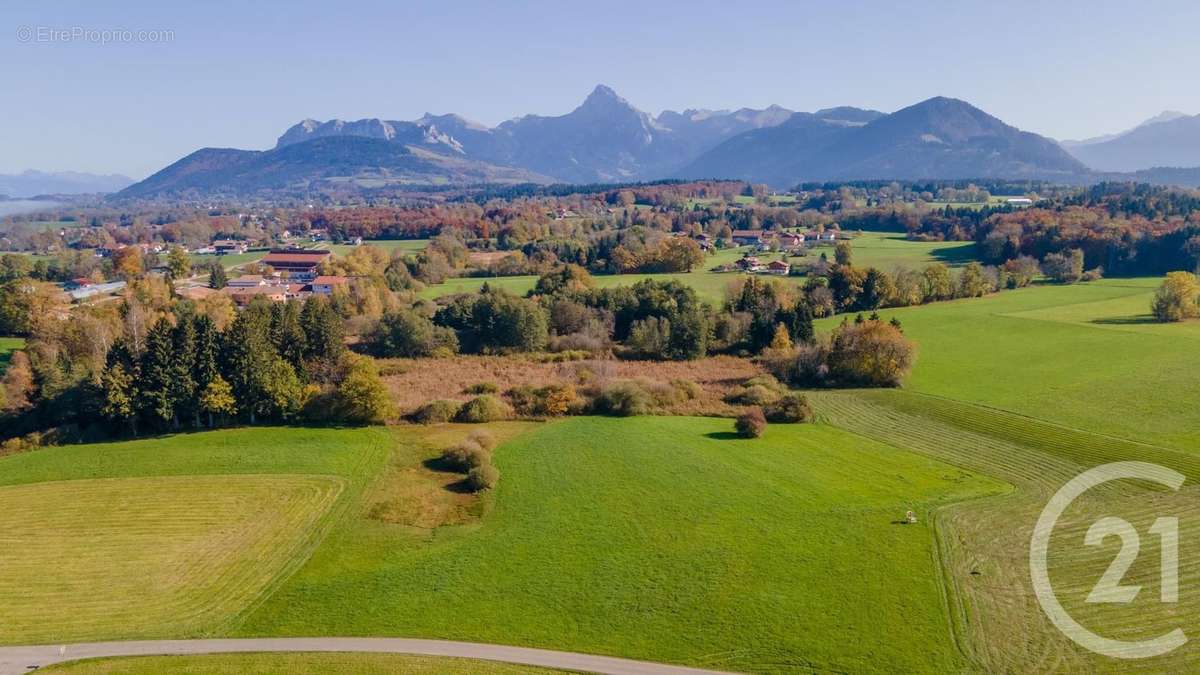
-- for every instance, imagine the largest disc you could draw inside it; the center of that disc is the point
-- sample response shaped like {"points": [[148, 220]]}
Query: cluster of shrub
{"points": [[473, 457], [590, 396]]}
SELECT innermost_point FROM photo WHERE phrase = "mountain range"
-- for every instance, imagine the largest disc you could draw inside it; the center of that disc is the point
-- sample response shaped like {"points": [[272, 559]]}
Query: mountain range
{"points": [[608, 140], [1171, 139], [35, 183]]}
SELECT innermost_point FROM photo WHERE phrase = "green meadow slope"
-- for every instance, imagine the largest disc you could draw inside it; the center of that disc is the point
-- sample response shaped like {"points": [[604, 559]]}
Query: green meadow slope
{"points": [[662, 539]]}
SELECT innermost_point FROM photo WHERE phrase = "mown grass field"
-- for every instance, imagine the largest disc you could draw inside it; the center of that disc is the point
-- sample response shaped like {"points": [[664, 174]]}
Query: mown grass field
{"points": [[169, 537], [659, 538], [1033, 387], [389, 245], [889, 250], [293, 664], [229, 260], [1085, 356], [160, 556]]}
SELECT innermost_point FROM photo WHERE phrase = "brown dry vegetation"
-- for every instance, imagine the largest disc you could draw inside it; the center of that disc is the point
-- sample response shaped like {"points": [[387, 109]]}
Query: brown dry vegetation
{"points": [[414, 382], [415, 492]]}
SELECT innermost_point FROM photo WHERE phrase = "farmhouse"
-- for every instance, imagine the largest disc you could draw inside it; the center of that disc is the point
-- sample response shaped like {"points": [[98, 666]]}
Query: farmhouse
{"points": [[275, 293], [743, 237], [791, 240], [324, 285], [779, 267], [298, 264], [227, 246], [750, 264]]}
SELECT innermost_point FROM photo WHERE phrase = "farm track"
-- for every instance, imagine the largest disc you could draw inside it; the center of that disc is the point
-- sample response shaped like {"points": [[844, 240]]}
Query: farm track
{"points": [[985, 543]]}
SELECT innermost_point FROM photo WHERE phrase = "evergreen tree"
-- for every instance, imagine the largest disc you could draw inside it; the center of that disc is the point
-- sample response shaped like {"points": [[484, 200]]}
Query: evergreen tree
{"points": [[799, 321], [323, 344], [205, 361], [216, 275], [184, 392], [156, 375], [287, 334], [247, 357], [871, 296]]}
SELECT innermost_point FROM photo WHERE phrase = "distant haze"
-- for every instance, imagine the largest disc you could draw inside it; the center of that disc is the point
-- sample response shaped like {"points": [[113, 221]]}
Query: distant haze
{"points": [[234, 74]]}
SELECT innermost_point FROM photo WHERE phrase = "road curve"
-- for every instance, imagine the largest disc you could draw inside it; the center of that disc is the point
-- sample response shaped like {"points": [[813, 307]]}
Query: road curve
{"points": [[14, 660]]}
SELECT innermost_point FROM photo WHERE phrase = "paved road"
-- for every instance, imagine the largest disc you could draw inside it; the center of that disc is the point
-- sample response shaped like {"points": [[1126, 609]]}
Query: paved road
{"points": [[14, 660]]}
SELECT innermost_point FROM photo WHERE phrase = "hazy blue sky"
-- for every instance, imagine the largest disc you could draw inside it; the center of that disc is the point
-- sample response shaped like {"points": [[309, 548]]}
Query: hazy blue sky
{"points": [[236, 74]]}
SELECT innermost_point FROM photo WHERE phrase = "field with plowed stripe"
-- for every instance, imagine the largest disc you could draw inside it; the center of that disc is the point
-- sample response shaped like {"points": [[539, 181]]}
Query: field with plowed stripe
{"points": [[152, 557], [985, 543], [177, 536]]}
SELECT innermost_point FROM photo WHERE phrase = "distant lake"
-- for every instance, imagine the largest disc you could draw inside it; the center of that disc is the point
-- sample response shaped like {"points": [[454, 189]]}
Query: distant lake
{"points": [[11, 208]]}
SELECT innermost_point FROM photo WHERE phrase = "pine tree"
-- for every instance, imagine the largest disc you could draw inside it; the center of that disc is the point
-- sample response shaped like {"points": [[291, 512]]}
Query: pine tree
{"points": [[184, 392], [323, 345], [801, 323], [156, 373], [205, 362], [216, 275], [287, 334], [247, 355]]}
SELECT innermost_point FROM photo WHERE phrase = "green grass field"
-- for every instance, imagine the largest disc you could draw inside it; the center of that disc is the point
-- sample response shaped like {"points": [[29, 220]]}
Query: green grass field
{"points": [[292, 664], [889, 250], [665, 538], [1084, 356], [8, 345], [389, 245], [661, 538], [203, 548], [1032, 387], [170, 537], [229, 260]]}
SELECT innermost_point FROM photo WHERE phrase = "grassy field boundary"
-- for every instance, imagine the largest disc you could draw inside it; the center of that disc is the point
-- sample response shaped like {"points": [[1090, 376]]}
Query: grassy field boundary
{"points": [[359, 485], [983, 542]]}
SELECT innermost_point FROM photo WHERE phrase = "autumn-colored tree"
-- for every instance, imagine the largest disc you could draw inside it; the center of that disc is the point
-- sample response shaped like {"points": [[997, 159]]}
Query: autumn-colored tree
{"points": [[361, 396], [971, 281], [1176, 299], [781, 339], [870, 354], [843, 254], [179, 265], [217, 401], [936, 283], [127, 262]]}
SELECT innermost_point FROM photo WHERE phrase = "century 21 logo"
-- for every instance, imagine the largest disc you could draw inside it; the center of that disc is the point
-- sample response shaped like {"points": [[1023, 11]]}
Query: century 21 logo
{"points": [[1109, 588]]}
